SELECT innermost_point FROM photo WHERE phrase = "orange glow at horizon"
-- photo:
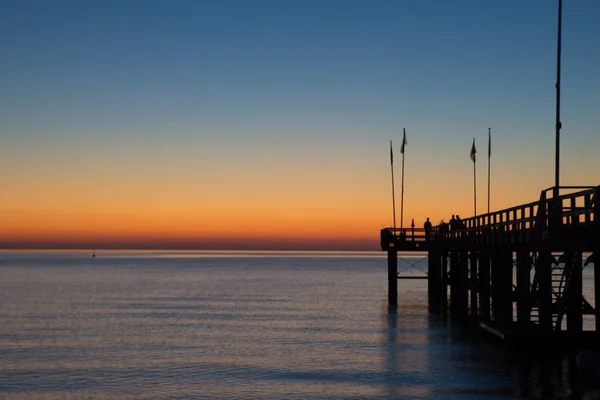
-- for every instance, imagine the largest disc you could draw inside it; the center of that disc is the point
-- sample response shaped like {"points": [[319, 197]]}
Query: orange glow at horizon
{"points": [[338, 199], [280, 216]]}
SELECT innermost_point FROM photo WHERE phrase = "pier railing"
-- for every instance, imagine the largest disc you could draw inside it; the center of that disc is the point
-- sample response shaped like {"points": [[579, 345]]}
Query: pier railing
{"points": [[412, 239], [552, 216]]}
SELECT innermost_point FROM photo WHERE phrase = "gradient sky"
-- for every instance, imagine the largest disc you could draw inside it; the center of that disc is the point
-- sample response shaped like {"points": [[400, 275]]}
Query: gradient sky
{"points": [[266, 124]]}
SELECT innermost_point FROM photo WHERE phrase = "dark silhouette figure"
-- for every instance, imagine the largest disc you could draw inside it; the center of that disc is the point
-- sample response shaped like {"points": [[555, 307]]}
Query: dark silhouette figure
{"points": [[443, 228], [427, 226], [452, 223]]}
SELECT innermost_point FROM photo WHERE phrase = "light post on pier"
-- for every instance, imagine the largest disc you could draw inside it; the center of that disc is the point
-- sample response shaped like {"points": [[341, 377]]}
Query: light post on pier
{"points": [[558, 123]]}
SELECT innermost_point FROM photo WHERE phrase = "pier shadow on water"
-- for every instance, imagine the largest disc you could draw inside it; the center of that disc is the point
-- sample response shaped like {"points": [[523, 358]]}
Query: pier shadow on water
{"points": [[429, 356]]}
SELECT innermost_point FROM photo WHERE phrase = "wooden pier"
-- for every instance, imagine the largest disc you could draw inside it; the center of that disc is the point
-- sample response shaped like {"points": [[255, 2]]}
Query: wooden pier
{"points": [[530, 256]]}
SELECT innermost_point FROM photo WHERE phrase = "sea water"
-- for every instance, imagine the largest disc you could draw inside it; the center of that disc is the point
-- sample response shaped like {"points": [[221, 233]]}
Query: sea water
{"points": [[245, 325]]}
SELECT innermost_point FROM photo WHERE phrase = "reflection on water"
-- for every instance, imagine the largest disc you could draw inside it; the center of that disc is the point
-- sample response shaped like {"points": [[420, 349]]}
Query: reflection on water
{"points": [[455, 362], [264, 327]]}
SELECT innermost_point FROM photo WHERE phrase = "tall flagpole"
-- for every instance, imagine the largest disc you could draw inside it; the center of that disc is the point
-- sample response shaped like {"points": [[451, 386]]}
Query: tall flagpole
{"points": [[489, 158], [402, 150], [393, 192], [558, 123], [473, 158], [474, 190]]}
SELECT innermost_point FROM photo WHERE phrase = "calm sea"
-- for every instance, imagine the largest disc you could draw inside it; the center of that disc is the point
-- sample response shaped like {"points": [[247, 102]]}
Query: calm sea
{"points": [[244, 325]]}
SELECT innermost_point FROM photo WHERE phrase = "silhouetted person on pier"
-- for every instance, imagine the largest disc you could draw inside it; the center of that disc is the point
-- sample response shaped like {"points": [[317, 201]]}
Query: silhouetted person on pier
{"points": [[453, 226], [452, 223], [427, 226], [443, 229]]}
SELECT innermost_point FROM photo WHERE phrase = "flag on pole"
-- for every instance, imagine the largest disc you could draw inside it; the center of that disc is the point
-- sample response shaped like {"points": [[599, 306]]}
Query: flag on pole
{"points": [[403, 143], [473, 151], [391, 153], [490, 144]]}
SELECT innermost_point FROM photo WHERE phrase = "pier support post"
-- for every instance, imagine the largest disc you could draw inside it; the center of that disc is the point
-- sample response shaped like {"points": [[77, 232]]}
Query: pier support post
{"points": [[464, 283], [484, 286], [434, 280], [445, 281], [596, 253], [392, 258], [454, 276], [502, 267], [543, 273], [473, 283], [597, 288], [459, 284], [574, 297], [523, 288]]}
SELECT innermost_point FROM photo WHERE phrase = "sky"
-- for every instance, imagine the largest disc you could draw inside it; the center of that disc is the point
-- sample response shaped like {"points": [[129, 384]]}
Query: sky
{"points": [[232, 124]]}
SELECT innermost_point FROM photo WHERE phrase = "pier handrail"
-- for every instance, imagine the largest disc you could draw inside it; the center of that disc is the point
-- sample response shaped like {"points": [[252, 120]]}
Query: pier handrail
{"points": [[531, 221], [574, 206]]}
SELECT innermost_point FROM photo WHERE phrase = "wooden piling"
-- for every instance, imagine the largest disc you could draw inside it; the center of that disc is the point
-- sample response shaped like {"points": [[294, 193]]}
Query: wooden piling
{"points": [[392, 258], [523, 288], [597, 287], [484, 286], [445, 280], [502, 286], [574, 297], [544, 295], [463, 287], [459, 284], [596, 253], [473, 283], [434, 280], [453, 278]]}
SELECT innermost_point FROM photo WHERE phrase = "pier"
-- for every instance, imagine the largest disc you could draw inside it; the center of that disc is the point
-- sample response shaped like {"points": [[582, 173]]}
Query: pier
{"points": [[517, 272]]}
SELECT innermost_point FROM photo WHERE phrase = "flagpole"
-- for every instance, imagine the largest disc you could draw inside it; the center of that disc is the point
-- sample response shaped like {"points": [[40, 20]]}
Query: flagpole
{"points": [[489, 161], [474, 159], [393, 191], [558, 123], [474, 190], [402, 195]]}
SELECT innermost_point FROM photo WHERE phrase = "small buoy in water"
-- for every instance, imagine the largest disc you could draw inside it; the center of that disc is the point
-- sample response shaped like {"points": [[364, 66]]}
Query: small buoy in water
{"points": [[588, 361]]}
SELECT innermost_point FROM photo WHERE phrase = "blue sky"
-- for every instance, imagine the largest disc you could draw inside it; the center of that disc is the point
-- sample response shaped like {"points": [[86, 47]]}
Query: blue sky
{"points": [[386, 60], [296, 88], [383, 59]]}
